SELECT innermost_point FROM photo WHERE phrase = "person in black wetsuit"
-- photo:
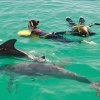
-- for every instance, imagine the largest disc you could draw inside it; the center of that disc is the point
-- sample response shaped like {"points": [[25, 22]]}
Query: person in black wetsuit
{"points": [[81, 29]]}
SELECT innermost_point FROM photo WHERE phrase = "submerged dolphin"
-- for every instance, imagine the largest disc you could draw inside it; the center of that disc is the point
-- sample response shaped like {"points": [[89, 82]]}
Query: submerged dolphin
{"points": [[8, 49], [35, 69]]}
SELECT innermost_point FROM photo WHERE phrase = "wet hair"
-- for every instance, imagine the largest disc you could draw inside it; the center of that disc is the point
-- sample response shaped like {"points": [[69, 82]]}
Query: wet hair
{"points": [[33, 23]]}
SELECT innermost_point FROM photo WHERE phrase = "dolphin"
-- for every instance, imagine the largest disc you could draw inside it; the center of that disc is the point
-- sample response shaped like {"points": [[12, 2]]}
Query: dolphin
{"points": [[8, 49], [38, 69]]}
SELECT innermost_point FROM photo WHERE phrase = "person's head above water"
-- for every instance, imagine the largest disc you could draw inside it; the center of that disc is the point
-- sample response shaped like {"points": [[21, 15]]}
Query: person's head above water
{"points": [[33, 24], [83, 30]]}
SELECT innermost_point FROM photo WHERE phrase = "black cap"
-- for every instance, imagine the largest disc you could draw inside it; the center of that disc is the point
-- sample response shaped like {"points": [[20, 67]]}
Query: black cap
{"points": [[33, 22]]}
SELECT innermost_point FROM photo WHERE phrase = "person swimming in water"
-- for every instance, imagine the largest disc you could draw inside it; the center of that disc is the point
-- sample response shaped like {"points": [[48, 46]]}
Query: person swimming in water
{"points": [[81, 29], [57, 36], [32, 25]]}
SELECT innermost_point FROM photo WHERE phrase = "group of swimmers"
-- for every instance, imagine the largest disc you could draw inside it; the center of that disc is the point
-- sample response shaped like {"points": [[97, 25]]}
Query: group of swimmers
{"points": [[78, 30]]}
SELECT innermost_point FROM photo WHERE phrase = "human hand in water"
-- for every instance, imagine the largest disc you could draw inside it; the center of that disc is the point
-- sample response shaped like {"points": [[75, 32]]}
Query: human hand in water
{"points": [[91, 42]]}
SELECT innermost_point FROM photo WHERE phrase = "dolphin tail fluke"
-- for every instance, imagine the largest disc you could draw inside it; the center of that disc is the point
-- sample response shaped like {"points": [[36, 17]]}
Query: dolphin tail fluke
{"points": [[43, 57], [39, 59], [96, 86]]}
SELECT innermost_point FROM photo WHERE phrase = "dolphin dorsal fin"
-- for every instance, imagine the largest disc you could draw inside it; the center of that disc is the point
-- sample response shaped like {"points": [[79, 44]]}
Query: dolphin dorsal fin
{"points": [[9, 44]]}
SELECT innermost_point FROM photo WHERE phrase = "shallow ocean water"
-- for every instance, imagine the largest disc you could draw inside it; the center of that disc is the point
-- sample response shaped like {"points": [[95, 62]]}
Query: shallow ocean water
{"points": [[83, 59]]}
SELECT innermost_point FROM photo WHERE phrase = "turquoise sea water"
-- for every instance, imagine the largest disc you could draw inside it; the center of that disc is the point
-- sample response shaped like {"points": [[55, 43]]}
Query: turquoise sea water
{"points": [[81, 58]]}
